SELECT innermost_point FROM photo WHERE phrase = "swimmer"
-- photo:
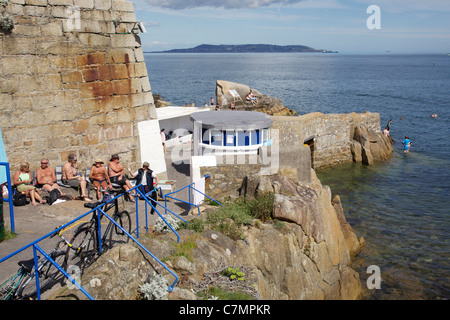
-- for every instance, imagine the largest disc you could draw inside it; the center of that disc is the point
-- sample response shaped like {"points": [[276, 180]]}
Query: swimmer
{"points": [[407, 144], [434, 115]]}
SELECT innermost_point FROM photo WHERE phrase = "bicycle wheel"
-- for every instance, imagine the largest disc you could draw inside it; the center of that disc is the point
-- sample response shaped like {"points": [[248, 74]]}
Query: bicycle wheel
{"points": [[49, 275], [8, 288], [82, 250], [116, 236]]}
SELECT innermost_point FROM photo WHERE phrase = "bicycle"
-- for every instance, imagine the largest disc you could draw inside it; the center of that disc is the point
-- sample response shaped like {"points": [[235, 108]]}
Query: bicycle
{"points": [[83, 248], [22, 285]]}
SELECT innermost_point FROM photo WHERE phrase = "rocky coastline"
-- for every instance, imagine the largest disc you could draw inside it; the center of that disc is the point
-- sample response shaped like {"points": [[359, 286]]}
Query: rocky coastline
{"points": [[303, 251]]}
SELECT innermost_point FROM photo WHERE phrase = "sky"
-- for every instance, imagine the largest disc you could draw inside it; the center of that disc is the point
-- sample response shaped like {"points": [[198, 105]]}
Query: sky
{"points": [[347, 26]]}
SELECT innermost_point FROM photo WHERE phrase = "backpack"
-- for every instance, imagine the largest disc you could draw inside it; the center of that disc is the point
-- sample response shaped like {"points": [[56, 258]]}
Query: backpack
{"points": [[20, 199], [54, 195]]}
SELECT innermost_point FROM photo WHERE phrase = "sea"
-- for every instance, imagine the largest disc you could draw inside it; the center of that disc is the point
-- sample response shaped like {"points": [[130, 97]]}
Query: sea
{"points": [[402, 206]]}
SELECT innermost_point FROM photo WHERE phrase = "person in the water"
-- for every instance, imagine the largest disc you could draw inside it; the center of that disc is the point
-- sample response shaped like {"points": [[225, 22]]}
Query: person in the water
{"points": [[407, 144]]}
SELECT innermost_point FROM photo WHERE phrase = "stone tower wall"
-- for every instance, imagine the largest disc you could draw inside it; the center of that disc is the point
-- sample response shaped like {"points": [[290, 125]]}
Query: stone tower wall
{"points": [[73, 80]]}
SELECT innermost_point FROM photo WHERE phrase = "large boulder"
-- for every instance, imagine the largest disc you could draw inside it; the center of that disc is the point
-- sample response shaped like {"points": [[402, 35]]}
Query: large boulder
{"points": [[366, 145], [227, 92]]}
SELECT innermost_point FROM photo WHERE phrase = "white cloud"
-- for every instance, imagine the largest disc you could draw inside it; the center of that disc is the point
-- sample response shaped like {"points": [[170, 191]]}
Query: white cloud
{"points": [[401, 6], [227, 4]]}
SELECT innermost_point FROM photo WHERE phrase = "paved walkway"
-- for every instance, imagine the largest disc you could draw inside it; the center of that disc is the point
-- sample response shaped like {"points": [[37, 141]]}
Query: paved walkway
{"points": [[32, 223]]}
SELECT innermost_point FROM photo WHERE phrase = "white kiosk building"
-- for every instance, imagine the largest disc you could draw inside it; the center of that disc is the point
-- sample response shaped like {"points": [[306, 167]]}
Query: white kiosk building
{"points": [[225, 132]]}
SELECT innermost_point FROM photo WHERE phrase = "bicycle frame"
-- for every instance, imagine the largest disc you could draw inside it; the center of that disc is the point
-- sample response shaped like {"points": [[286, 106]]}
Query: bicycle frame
{"points": [[96, 218]]}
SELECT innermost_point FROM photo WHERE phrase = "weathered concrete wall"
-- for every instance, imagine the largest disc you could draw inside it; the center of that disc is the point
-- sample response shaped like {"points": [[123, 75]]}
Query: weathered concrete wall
{"points": [[230, 176], [227, 180], [73, 80], [336, 138], [334, 134]]}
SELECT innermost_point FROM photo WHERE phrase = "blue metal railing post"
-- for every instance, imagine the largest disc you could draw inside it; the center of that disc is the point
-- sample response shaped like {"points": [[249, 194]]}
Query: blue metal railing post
{"points": [[10, 196], [168, 224], [62, 271], [144, 248], [207, 196], [99, 231], [36, 272], [190, 187], [137, 217], [189, 193]]}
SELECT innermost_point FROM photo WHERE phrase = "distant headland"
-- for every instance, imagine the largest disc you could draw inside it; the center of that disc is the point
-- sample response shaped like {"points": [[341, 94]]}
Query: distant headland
{"points": [[244, 48]]}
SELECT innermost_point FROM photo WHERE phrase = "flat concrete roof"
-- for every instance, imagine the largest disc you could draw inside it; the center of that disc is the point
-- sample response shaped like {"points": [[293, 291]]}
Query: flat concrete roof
{"points": [[232, 120], [175, 112]]}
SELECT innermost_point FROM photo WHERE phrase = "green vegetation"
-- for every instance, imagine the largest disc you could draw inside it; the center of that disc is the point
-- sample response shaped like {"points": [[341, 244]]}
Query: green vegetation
{"points": [[6, 22], [234, 273], [229, 218], [185, 248], [211, 202], [7, 234]]}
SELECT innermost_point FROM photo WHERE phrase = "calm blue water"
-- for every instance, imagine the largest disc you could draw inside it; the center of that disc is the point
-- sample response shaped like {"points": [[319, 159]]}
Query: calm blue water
{"points": [[401, 207]]}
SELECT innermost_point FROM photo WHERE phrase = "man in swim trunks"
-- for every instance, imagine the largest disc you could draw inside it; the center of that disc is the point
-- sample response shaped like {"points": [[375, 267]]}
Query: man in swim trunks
{"points": [[99, 177], [46, 178], [116, 173], [407, 144], [72, 177]]}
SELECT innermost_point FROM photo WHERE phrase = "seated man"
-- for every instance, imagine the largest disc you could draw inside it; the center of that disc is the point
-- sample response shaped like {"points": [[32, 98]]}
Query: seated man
{"points": [[46, 177], [116, 174], [99, 177], [72, 177], [147, 178]]}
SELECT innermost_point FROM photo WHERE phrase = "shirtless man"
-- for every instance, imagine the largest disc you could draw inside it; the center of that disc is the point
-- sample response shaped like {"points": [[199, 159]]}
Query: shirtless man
{"points": [[71, 176], [116, 174], [99, 177], [46, 178]]}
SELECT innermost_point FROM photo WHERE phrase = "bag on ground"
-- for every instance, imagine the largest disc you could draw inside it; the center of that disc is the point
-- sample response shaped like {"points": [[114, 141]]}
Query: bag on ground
{"points": [[20, 199], [54, 195]]}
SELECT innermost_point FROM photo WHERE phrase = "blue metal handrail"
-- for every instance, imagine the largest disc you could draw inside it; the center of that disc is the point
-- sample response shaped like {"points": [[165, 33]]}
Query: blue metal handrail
{"points": [[98, 209], [36, 247], [144, 248], [149, 203], [136, 188], [10, 196], [190, 187], [166, 209], [68, 276]]}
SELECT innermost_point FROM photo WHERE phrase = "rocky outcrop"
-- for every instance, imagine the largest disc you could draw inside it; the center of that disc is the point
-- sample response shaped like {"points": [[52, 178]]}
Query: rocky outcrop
{"points": [[366, 145], [306, 255], [159, 102], [270, 105], [320, 247]]}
